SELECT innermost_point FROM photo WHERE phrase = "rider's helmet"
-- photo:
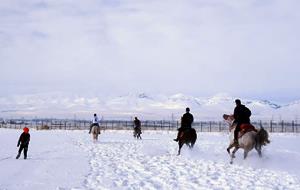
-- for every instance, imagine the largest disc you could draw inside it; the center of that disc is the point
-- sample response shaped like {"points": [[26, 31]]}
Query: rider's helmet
{"points": [[187, 109]]}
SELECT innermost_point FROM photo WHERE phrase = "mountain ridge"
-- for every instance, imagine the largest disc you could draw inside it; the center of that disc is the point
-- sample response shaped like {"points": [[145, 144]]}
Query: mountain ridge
{"points": [[139, 104]]}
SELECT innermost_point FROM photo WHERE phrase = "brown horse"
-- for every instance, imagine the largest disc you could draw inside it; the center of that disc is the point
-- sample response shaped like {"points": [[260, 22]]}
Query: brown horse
{"points": [[247, 141], [137, 133], [189, 138]]}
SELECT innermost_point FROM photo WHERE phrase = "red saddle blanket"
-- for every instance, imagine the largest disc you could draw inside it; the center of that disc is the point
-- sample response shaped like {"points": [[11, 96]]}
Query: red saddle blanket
{"points": [[246, 128]]}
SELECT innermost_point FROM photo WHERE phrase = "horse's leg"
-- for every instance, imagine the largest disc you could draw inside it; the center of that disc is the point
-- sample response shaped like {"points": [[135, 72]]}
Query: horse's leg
{"points": [[97, 136], [245, 154], [233, 154], [192, 144], [234, 151], [230, 147], [180, 144], [258, 149], [189, 145], [259, 153]]}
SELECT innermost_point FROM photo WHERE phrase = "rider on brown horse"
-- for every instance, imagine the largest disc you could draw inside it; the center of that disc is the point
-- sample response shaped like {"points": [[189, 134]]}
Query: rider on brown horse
{"points": [[241, 119], [137, 125], [186, 123]]}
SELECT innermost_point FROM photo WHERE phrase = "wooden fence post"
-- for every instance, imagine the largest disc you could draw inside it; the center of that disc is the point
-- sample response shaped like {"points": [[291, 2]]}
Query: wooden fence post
{"points": [[201, 126]]}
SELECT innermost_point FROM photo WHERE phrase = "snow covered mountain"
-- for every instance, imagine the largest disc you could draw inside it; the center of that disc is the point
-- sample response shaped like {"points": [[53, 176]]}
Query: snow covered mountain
{"points": [[62, 105]]}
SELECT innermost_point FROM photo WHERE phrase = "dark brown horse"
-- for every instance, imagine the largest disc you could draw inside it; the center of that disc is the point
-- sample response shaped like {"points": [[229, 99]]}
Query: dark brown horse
{"points": [[137, 133], [189, 138]]}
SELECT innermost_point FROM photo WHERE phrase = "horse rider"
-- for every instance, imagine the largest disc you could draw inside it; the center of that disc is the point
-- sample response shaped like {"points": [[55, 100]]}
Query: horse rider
{"points": [[186, 123], [137, 124], [95, 122], [241, 116]]}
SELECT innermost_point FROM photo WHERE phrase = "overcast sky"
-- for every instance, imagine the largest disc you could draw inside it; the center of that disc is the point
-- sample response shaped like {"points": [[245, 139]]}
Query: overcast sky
{"points": [[246, 48]]}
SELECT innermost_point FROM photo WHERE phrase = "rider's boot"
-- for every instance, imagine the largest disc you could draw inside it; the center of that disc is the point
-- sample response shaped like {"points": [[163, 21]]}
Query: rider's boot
{"points": [[177, 139], [179, 135], [235, 142]]}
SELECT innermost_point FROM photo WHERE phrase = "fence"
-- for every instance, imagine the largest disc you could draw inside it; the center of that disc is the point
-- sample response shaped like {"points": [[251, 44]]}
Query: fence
{"points": [[200, 126]]}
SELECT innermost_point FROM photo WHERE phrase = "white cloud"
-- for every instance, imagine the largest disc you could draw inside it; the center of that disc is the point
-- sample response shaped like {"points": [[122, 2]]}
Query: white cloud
{"points": [[246, 48]]}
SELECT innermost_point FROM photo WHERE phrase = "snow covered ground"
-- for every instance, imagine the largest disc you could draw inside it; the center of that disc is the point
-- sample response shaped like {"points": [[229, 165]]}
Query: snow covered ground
{"points": [[64, 160]]}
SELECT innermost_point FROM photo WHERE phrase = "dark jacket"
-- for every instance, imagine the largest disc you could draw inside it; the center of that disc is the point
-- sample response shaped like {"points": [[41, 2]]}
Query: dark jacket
{"points": [[137, 123], [24, 139], [187, 120], [241, 114]]}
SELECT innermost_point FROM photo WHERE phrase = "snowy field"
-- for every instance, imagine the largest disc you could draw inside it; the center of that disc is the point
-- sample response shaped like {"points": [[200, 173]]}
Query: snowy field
{"points": [[64, 160]]}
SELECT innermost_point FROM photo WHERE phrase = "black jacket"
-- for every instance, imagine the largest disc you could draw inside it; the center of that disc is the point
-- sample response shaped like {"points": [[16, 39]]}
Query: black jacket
{"points": [[187, 120], [137, 123], [241, 114], [24, 139]]}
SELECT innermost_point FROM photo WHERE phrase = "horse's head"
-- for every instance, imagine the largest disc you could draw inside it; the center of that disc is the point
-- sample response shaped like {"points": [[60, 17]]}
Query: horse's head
{"points": [[229, 119], [263, 136]]}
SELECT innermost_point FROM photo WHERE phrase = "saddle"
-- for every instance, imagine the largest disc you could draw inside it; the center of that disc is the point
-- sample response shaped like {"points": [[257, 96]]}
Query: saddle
{"points": [[246, 128], [183, 131]]}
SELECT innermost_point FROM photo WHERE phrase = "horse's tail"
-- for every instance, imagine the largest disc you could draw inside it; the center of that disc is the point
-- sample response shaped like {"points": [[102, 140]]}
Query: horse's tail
{"points": [[262, 136], [194, 136]]}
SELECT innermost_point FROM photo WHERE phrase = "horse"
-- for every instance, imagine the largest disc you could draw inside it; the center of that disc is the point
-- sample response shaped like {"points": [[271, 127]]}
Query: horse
{"points": [[248, 140], [95, 132], [189, 138], [137, 133]]}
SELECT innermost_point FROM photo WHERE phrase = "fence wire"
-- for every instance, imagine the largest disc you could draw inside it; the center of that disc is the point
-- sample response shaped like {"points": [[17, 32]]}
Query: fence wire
{"points": [[200, 126]]}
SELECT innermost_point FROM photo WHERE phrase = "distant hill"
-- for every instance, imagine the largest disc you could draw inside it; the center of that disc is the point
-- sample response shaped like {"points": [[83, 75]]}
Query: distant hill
{"points": [[146, 106]]}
